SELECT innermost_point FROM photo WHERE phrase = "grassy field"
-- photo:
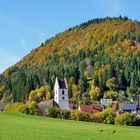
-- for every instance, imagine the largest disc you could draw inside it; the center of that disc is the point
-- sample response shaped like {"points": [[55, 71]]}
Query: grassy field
{"points": [[22, 127]]}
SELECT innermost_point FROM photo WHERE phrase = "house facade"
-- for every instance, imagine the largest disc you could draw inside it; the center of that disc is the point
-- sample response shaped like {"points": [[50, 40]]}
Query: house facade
{"points": [[106, 101], [132, 108], [61, 93]]}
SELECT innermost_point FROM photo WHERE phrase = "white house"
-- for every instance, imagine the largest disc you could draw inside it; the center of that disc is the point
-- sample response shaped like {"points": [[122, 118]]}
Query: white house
{"points": [[61, 93], [106, 101]]}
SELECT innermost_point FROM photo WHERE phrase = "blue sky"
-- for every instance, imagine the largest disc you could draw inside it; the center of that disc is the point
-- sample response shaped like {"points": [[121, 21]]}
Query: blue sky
{"points": [[24, 24]]}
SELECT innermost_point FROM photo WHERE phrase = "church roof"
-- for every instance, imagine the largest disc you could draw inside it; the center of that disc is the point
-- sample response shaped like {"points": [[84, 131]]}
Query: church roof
{"points": [[62, 84]]}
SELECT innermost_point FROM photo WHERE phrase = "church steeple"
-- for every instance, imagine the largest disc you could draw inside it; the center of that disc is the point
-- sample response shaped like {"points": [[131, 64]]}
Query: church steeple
{"points": [[61, 93]]}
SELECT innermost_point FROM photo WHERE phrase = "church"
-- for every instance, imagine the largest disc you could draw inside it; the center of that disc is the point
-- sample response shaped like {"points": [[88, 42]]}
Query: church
{"points": [[60, 97], [61, 93]]}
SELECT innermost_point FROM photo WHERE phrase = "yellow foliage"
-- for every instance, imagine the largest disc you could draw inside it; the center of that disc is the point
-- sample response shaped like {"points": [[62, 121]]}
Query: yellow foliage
{"points": [[2, 88], [39, 94], [94, 92], [74, 90]]}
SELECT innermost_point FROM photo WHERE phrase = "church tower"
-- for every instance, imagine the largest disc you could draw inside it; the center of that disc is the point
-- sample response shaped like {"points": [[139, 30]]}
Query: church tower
{"points": [[61, 93]]}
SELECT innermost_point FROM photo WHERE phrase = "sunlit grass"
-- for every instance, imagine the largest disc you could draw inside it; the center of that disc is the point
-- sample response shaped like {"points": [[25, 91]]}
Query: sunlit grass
{"points": [[23, 127]]}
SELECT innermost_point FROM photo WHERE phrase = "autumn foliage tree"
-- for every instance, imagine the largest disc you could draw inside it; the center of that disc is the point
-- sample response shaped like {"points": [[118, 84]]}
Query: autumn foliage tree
{"points": [[94, 92], [105, 51]]}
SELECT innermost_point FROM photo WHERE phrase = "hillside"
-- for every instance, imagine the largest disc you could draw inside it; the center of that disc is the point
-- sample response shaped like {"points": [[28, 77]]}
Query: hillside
{"points": [[88, 55], [22, 127]]}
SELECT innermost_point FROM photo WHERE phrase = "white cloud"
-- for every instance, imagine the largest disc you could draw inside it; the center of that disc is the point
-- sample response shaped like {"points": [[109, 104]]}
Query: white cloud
{"points": [[6, 60]]}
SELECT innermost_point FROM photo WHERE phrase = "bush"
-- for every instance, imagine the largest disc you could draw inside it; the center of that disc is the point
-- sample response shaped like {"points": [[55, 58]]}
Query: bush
{"points": [[52, 112], [97, 117], [33, 111], [65, 114], [73, 115], [58, 113], [81, 116], [108, 116], [24, 109], [30, 109], [137, 121], [14, 107], [126, 119], [33, 104]]}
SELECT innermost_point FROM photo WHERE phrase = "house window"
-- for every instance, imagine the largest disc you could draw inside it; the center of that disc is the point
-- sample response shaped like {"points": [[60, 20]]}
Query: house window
{"points": [[63, 98], [63, 92]]}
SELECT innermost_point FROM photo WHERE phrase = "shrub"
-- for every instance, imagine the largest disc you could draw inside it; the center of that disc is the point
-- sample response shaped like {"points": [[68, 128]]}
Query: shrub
{"points": [[126, 119], [9, 107], [108, 116], [33, 111], [32, 108], [58, 113], [97, 117], [14, 107], [73, 115], [52, 112], [81, 116], [33, 104], [65, 114], [23, 108], [137, 121]]}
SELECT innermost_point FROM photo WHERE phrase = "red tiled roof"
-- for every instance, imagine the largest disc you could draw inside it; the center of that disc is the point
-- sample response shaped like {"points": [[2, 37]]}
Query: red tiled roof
{"points": [[93, 108]]}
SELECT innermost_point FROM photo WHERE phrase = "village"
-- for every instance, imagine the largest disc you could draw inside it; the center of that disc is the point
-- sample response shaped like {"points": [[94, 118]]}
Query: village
{"points": [[70, 70], [61, 101]]}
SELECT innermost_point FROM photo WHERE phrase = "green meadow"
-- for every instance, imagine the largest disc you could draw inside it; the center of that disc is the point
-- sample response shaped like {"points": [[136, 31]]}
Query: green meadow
{"points": [[23, 127]]}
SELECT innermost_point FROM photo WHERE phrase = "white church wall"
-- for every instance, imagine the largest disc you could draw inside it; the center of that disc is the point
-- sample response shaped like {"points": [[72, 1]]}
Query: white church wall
{"points": [[61, 96]]}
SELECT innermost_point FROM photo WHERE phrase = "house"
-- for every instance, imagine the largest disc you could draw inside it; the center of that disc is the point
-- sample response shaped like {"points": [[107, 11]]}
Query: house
{"points": [[106, 101], [129, 108], [61, 93], [93, 108]]}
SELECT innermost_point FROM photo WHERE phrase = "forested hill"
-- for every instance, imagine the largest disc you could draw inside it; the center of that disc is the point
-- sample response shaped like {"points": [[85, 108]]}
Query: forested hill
{"points": [[91, 56]]}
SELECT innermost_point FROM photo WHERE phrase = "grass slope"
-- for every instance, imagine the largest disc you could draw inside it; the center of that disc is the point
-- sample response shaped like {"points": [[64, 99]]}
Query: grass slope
{"points": [[22, 127]]}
